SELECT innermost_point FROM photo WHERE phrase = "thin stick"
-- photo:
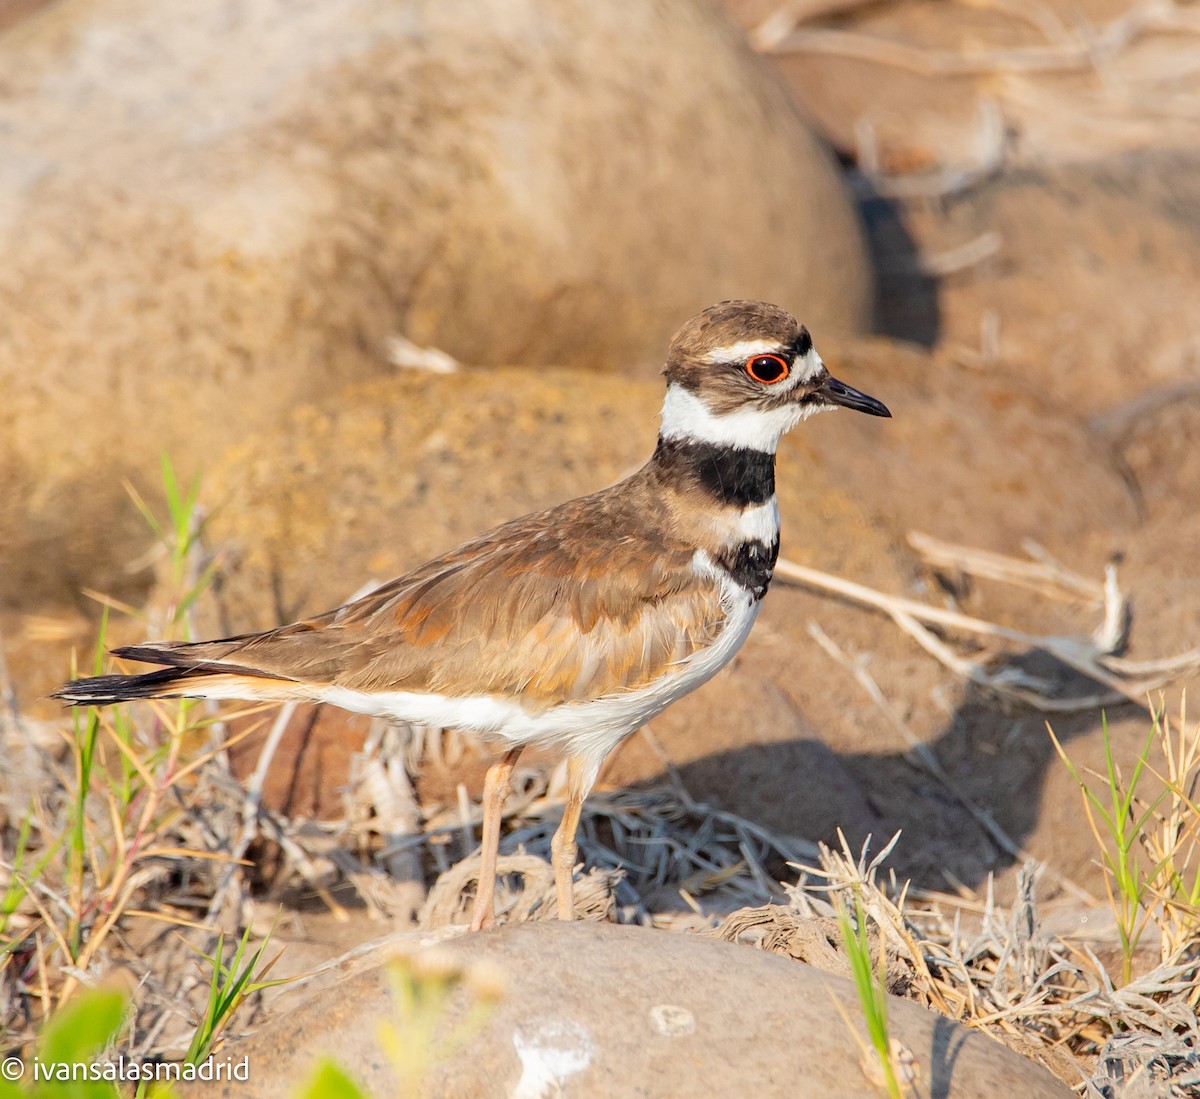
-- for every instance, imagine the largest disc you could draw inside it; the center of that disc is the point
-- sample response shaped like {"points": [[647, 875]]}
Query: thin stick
{"points": [[1083, 53], [905, 612], [1044, 575], [252, 805], [960, 258], [466, 824], [1007, 683], [776, 27], [890, 604]]}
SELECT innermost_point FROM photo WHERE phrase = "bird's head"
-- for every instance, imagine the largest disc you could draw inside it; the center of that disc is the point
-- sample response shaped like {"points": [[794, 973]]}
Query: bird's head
{"points": [[742, 373]]}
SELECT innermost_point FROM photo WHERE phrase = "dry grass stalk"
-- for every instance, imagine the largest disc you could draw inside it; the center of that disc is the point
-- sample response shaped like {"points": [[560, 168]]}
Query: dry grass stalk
{"points": [[155, 836], [667, 848], [1008, 976]]}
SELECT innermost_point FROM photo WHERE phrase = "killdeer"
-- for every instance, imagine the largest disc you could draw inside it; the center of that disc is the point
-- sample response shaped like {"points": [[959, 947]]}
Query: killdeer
{"points": [[572, 627]]}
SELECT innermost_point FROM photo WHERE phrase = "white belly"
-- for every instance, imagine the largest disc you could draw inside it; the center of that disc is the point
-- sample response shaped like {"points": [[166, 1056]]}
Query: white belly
{"points": [[590, 729]]}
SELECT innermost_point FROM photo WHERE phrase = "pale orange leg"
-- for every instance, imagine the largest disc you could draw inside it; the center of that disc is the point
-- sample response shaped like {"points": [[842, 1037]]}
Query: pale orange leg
{"points": [[563, 848], [495, 790]]}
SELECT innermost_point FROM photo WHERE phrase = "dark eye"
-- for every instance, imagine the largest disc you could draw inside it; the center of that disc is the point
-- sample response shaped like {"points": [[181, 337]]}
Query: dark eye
{"points": [[767, 369]]}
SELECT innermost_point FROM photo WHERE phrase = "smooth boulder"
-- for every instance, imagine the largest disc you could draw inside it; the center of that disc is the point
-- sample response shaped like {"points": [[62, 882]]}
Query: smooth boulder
{"points": [[591, 1009], [211, 214]]}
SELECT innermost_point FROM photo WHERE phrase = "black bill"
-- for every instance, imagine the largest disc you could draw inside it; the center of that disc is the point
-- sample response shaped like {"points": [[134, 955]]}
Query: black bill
{"points": [[839, 393]]}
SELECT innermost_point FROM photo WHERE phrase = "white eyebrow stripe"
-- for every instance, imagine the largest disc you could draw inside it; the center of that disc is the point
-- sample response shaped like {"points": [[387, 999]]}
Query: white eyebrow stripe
{"points": [[745, 349], [808, 367]]}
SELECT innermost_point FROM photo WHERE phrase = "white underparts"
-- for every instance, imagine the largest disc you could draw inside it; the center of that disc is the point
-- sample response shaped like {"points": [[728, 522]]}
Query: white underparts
{"points": [[686, 416], [759, 524], [589, 729]]}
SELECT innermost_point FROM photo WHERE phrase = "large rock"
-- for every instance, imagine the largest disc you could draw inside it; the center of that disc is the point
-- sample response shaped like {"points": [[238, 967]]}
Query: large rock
{"points": [[1093, 290], [599, 1010], [209, 214]]}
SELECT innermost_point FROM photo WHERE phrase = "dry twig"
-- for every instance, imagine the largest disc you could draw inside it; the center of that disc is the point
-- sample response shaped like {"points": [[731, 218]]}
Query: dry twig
{"points": [[1094, 659]]}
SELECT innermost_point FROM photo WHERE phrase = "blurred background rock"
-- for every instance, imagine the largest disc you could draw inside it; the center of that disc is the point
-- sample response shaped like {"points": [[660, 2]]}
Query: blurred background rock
{"points": [[211, 214]]}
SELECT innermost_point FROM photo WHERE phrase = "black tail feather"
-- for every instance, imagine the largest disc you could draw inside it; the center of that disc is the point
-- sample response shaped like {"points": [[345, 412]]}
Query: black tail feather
{"points": [[189, 658], [182, 664], [104, 690], [164, 653]]}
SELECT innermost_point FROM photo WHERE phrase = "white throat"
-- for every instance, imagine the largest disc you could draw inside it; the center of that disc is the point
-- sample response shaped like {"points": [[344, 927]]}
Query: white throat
{"points": [[686, 416]]}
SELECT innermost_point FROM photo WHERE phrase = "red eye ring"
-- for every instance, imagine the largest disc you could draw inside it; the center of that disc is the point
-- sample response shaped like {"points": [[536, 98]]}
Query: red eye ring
{"points": [[768, 369]]}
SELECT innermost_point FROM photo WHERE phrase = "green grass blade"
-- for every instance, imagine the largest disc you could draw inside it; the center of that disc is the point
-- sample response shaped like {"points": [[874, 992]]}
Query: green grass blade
{"points": [[871, 985]]}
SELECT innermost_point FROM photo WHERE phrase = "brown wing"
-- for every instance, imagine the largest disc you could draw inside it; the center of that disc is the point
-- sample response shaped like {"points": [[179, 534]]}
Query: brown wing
{"points": [[585, 599]]}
